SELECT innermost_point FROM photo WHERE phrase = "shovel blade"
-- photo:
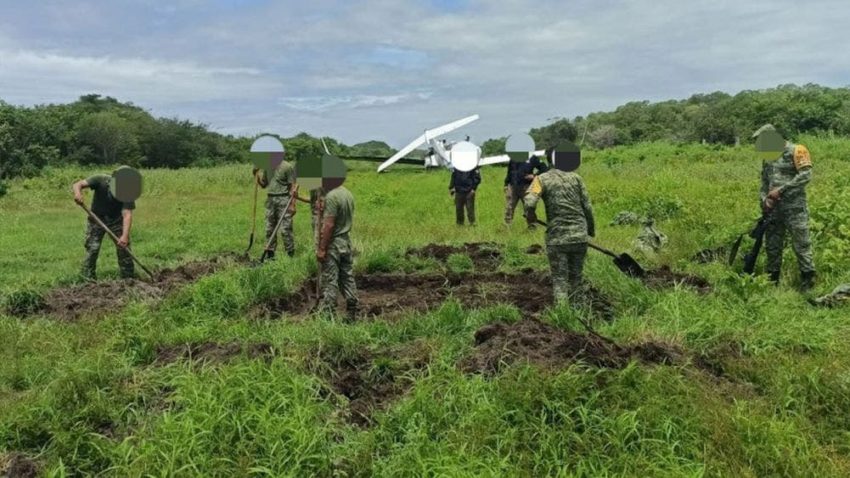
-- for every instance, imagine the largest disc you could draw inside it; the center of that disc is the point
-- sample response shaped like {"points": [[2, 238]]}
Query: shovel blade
{"points": [[629, 265]]}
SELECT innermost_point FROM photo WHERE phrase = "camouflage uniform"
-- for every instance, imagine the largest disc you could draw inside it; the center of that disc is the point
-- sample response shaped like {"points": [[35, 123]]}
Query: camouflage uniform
{"points": [[570, 223], [316, 221], [338, 269], [280, 188], [790, 173], [109, 210]]}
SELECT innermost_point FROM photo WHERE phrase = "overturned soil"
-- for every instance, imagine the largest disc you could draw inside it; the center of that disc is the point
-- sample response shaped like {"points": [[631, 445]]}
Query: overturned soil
{"points": [[664, 278], [18, 465], [97, 298], [212, 353], [393, 295], [498, 345], [483, 254], [371, 381]]}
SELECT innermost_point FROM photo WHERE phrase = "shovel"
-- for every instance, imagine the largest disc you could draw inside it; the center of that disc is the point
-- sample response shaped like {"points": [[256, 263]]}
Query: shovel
{"points": [[624, 262], [266, 250], [253, 220], [114, 237]]}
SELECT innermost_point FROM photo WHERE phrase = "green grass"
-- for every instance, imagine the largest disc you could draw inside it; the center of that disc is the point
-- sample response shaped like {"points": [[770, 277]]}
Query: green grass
{"points": [[85, 398]]}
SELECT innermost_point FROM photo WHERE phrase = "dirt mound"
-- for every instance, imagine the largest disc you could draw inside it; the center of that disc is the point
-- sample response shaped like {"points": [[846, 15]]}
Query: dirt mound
{"points": [[706, 256], [210, 352], [483, 254], [97, 298], [18, 465], [663, 278], [371, 381], [500, 344]]}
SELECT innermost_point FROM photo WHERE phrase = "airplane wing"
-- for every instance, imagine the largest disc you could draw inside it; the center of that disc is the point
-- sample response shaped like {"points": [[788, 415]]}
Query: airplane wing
{"points": [[502, 158], [380, 159], [429, 134]]}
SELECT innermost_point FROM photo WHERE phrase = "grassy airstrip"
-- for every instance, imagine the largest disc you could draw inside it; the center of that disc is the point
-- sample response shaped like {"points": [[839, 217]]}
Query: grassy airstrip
{"points": [[89, 396]]}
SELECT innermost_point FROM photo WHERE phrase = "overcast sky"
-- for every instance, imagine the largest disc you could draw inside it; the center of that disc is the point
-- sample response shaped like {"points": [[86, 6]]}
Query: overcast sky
{"points": [[359, 70]]}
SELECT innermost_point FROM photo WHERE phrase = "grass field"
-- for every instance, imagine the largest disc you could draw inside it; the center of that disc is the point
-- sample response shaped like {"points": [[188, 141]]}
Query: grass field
{"points": [[115, 395]]}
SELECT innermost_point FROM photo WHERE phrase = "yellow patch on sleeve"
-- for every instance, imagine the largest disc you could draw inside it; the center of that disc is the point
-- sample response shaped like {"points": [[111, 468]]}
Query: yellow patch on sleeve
{"points": [[536, 188], [802, 159]]}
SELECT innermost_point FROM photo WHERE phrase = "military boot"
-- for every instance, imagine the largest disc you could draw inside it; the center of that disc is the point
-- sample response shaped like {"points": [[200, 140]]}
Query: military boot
{"points": [[807, 280], [351, 311], [774, 277]]}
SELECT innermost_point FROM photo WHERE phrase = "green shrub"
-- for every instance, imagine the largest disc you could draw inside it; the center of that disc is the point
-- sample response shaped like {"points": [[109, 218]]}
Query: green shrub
{"points": [[24, 302]]}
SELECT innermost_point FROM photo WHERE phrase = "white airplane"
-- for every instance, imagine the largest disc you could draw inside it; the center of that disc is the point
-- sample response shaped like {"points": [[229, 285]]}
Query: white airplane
{"points": [[461, 154]]}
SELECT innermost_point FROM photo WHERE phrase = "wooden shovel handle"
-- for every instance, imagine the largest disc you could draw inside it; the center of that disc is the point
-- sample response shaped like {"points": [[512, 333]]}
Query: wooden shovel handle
{"points": [[113, 237]]}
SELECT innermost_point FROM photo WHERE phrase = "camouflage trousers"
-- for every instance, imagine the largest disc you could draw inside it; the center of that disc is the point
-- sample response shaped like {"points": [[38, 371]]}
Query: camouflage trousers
{"points": [[567, 263], [338, 276], [275, 206], [513, 196], [464, 201], [94, 239], [796, 222]]}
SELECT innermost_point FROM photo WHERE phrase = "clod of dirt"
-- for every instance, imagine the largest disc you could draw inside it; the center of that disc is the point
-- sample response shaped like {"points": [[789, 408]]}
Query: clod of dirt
{"points": [[97, 298], [664, 278], [213, 353], [18, 465], [372, 381], [706, 256], [483, 254], [534, 249], [500, 344]]}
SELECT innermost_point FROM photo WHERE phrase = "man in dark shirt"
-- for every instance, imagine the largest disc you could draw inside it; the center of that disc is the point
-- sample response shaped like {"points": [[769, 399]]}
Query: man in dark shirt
{"points": [[463, 185], [517, 181], [117, 215]]}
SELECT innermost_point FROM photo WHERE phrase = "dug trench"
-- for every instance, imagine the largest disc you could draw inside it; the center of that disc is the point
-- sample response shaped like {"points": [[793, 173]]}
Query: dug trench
{"points": [[499, 345], [390, 296], [369, 380], [96, 298]]}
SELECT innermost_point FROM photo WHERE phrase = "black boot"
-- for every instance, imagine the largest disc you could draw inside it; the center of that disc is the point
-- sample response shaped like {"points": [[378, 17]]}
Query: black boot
{"points": [[807, 280], [290, 253], [774, 277], [270, 256], [351, 311]]}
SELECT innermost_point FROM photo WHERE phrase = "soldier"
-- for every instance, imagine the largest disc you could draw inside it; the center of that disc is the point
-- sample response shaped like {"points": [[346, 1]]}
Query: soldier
{"points": [[570, 223], [117, 215], [281, 187], [334, 252], [783, 196], [517, 181], [462, 186]]}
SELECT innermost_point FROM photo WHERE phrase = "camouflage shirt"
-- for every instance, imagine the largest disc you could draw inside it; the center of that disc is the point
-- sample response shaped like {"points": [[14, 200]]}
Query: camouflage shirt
{"points": [[568, 209], [790, 173], [104, 204], [339, 204], [282, 180]]}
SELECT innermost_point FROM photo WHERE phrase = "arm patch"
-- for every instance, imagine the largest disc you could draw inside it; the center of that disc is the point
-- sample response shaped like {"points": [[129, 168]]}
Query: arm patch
{"points": [[802, 159]]}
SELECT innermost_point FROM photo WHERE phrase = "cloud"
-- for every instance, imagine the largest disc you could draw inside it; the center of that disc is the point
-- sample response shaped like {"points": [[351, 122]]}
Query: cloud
{"points": [[381, 69], [324, 103]]}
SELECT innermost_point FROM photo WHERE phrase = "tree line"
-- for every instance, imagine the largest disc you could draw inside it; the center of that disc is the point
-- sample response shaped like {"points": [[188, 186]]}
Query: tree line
{"points": [[102, 130]]}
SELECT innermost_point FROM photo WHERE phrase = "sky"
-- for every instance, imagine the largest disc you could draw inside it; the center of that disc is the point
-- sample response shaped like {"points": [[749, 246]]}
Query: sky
{"points": [[360, 70]]}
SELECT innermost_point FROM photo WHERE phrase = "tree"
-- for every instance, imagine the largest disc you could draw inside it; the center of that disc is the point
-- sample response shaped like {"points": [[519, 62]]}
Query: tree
{"points": [[110, 137], [494, 146], [552, 134]]}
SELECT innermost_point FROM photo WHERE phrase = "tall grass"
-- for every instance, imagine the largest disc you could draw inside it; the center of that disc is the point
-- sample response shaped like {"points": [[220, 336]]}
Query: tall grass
{"points": [[86, 397]]}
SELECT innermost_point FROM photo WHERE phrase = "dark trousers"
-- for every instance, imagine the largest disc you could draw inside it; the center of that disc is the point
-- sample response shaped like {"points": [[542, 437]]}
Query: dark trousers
{"points": [[464, 200]]}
